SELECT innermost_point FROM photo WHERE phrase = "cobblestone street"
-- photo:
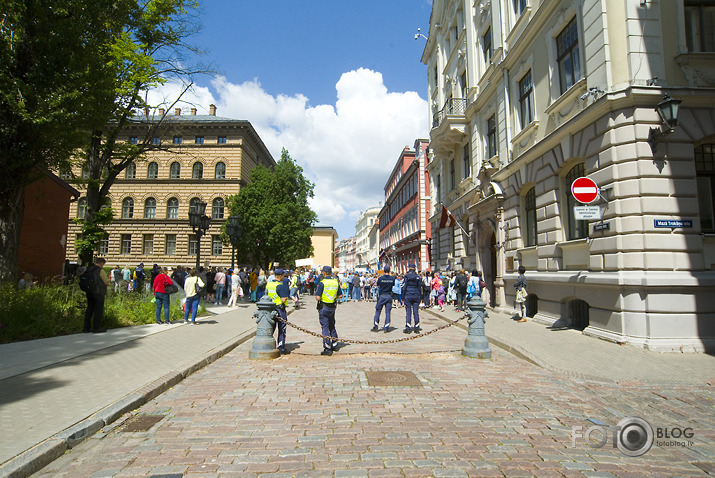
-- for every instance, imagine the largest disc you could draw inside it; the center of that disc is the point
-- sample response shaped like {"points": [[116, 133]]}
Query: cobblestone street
{"points": [[309, 415]]}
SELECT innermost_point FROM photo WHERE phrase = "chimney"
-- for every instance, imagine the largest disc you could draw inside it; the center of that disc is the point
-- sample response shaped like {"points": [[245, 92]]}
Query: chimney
{"points": [[193, 111], [161, 111], [177, 111], [212, 110]]}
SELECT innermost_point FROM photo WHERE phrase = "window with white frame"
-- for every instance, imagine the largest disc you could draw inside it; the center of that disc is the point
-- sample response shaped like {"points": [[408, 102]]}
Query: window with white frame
{"points": [[172, 208], [529, 230], [197, 171], [130, 172], [170, 244], [492, 136], [150, 208], [466, 161], [519, 7], [568, 57], [700, 25], [175, 170], [126, 244], [128, 208], [104, 245], [148, 244], [152, 171], [217, 208], [81, 208], [705, 180], [216, 246], [487, 46], [526, 100], [220, 170], [193, 243]]}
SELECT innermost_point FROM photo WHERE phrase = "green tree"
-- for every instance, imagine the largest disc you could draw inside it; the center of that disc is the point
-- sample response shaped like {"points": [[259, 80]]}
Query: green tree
{"points": [[55, 82], [274, 214]]}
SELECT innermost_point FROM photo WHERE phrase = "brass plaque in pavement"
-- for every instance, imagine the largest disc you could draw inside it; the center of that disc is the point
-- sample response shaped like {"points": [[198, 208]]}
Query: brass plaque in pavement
{"points": [[141, 423], [392, 378]]}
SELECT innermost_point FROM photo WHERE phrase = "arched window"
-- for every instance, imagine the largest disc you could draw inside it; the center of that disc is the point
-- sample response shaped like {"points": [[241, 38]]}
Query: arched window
{"points": [[175, 170], [128, 208], [172, 208], [131, 171], [192, 204], [197, 171], [217, 209], [530, 210], [152, 171], [81, 208], [220, 171], [150, 208]]}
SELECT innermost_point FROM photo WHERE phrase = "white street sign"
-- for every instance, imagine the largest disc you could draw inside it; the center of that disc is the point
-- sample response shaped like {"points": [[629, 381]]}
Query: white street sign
{"points": [[582, 213]]}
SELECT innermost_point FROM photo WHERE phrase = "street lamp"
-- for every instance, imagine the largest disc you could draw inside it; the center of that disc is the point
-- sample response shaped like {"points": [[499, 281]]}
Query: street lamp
{"points": [[199, 222], [668, 112], [234, 232]]}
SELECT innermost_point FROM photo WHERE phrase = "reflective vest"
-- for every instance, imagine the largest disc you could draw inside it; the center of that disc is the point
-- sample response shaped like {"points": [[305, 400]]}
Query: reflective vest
{"points": [[273, 294], [330, 290]]}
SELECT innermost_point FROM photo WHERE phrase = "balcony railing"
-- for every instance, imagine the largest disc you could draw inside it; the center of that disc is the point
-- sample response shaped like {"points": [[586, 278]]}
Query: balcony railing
{"points": [[453, 106]]}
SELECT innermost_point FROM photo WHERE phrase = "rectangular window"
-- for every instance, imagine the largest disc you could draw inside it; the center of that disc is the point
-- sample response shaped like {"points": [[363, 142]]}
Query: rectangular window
{"points": [[221, 140], [568, 56], [491, 137], [438, 185], [199, 140], [216, 246], [705, 177], [104, 246], [519, 7], [700, 25], [487, 46], [466, 161], [192, 244], [177, 139], [148, 244], [170, 245], [126, 247], [452, 179], [574, 229], [530, 210], [156, 141], [526, 100], [133, 140]]}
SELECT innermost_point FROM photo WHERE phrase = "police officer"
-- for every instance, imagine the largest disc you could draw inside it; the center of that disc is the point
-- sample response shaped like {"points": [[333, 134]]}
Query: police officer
{"points": [[279, 293], [326, 294], [384, 299], [413, 294]]}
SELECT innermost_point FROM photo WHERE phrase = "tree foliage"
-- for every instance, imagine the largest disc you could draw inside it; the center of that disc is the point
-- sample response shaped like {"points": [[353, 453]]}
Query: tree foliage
{"points": [[274, 214]]}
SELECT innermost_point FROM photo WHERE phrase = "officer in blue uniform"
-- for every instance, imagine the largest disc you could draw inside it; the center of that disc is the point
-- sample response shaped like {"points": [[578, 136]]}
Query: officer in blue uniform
{"points": [[413, 295], [279, 293], [384, 287], [327, 294]]}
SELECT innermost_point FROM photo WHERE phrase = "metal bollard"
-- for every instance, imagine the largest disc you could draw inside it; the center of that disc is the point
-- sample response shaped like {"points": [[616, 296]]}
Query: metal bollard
{"points": [[476, 344], [264, 345]]}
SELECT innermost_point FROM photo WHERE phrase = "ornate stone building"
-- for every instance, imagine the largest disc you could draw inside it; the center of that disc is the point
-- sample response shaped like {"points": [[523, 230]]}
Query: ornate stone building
{"points": [[365, 252], [208, 158], [528, 95]]}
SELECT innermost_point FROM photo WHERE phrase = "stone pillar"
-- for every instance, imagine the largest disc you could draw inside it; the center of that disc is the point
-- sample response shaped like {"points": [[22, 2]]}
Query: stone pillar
{"points": [[476, 344], [264, 345], [502, 238]]}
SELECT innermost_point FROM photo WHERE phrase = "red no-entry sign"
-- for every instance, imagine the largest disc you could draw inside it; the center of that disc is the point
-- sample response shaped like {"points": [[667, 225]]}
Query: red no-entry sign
{"points": [[584, 190]]}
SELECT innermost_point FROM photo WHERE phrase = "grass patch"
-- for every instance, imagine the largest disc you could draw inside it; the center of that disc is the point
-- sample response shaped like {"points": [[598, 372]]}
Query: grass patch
{"points": [[52, 310]]}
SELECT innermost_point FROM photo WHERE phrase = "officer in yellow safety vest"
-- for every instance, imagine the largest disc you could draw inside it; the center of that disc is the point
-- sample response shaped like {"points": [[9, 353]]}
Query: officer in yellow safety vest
{"points": [[279, 292], [327, 294]]}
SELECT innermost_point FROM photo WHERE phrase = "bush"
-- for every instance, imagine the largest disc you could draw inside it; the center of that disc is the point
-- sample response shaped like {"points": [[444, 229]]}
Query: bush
{"points": [[50, 310]]}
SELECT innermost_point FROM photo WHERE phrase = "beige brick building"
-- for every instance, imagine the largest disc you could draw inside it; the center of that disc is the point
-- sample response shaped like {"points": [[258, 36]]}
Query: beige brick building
{"points": [[208, 158], [527, 95]]}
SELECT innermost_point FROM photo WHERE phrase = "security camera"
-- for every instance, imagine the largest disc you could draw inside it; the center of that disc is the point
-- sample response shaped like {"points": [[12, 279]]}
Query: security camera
{"points": [[585, 95], [417, 36]]}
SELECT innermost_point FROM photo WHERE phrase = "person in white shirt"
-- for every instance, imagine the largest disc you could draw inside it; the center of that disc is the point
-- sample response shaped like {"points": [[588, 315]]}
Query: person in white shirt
{"points": [[192, 286]]}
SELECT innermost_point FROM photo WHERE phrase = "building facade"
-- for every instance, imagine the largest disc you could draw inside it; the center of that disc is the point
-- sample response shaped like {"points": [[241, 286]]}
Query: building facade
{"points": [[404, 229], [345, 254], [323, 241], [365, 251], [528, 95], [207, 158]]}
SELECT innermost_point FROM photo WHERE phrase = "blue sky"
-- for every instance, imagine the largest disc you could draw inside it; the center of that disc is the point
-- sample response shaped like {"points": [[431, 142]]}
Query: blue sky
{"points": [[338, 83]]}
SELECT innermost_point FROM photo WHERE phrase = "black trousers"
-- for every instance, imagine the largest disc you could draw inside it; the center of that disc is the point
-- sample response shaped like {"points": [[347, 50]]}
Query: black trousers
{"points": [[94, 313]]}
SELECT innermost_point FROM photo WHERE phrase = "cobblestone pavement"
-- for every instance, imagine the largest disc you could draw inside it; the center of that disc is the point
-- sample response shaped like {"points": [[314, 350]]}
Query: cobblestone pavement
{"points": [[309, 415]]}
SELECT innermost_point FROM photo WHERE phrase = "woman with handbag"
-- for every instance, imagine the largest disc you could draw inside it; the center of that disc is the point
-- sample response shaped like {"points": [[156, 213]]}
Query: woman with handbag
{"points": [[192, 287], [520, 286], [163, 288]]}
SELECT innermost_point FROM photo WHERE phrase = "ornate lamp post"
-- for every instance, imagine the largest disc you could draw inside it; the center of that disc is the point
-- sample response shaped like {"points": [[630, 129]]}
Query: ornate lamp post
{"points": [[234, 232], [199, 222]]}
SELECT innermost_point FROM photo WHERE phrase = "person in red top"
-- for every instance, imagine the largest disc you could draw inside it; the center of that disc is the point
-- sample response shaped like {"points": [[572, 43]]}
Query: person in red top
{"points": [[162, 298]]}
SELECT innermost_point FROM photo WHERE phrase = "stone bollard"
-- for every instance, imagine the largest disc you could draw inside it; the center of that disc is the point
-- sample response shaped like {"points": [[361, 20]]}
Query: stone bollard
{"points": [[264, 345], [476, 344]]}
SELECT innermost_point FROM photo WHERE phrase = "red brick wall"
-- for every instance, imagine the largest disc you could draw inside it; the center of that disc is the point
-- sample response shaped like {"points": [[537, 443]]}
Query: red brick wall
{"points": [[43, 233]]}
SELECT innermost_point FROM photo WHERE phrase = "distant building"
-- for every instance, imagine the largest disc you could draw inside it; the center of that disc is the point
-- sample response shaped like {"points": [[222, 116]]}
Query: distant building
{"points": [[207, 158], [345, 253], [365, 253], [404, 225], [323, 240]]}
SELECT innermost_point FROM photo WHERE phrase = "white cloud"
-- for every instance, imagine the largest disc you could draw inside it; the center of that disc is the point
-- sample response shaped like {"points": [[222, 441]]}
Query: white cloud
{"points": [[347, 149]]}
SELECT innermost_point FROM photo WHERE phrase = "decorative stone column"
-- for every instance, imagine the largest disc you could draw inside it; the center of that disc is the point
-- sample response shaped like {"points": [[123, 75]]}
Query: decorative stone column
{"points": [[476, 344], [502, 234], [264, 345]]}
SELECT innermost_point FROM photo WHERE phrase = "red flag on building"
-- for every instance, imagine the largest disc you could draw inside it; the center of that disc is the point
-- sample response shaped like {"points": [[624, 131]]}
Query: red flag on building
{"points": [[447, 219]]}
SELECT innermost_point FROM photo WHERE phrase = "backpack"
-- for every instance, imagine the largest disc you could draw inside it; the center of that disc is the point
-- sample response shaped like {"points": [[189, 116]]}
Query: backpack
{"points": [[471, 288], [87, 281]]}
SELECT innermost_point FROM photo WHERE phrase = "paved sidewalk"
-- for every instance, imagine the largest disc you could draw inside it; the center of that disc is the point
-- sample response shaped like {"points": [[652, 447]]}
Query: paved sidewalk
{"points": [[571, 353], [56, 390], [306, 415]]}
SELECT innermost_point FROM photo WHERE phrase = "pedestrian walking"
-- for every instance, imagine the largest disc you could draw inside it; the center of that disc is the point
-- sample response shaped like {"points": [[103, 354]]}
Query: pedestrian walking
{"points": [[295, 288], [117, 279], [426, 283], [126, 279], [97, 291], [460, 285], [520, 286], [162, 298], [279, 294], [220, 280], [192, 287], [413, 295], [140, 277], [234, 286], [327, 294], [397, 292], [384, 299], [356, 287], [441, 296]]}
